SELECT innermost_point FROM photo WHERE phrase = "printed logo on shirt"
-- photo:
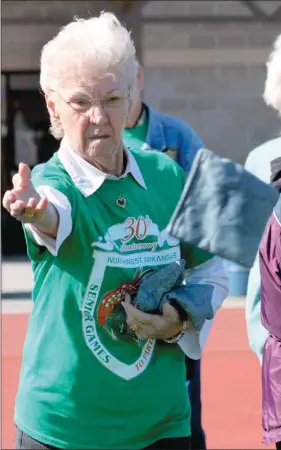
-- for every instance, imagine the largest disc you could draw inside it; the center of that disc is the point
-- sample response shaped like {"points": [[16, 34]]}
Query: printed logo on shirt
{"points": [[134, 228], [109, 255]]}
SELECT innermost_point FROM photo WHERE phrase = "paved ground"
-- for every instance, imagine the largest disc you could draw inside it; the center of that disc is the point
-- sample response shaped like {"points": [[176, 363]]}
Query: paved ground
{"points": [[16, 279], [230, 372]]}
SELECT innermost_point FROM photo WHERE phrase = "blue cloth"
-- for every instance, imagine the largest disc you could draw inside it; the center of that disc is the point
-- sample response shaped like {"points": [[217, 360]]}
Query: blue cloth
{"points": [[165, 285], [223, 209], [170, 133]]}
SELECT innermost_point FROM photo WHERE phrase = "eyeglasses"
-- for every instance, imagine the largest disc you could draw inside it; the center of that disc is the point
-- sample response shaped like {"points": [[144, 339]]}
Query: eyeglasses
{"points": [[83, 103]]}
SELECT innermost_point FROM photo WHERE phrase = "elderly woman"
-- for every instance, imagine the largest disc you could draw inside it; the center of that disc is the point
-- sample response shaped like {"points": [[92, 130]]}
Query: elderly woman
{"points": [[270, 270], [94, 221]]}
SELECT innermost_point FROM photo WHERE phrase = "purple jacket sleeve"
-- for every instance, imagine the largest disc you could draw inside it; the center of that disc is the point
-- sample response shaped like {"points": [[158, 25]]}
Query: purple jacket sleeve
{"points": [[270, 267]]}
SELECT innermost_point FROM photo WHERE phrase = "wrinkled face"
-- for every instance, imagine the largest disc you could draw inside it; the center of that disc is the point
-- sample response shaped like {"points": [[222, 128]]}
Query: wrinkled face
{"points": [[93, 115]]}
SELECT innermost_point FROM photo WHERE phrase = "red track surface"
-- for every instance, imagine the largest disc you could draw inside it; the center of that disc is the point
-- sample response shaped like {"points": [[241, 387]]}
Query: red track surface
{"points": [[231, 390]]}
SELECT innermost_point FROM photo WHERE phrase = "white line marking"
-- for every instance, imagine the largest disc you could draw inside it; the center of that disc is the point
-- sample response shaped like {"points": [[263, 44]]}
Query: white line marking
{"points": [[25, 306]]}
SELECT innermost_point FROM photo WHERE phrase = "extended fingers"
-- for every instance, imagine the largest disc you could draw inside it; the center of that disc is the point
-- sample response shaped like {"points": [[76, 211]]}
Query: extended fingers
{"points": [[155, 326], [29, 211], [9, 197], [158, 329], [34, 209], [17, 208], [137, 315], [145, 332], [40, 208], [30, 207]]}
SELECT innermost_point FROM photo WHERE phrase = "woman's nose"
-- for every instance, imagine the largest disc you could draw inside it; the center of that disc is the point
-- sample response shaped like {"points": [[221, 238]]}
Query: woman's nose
{"points": [[97, 114]]}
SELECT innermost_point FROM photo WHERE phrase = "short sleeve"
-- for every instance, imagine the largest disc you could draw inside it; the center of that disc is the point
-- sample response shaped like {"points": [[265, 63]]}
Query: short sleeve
{"points": [[50, 174], [63, 207], [50, 180]]}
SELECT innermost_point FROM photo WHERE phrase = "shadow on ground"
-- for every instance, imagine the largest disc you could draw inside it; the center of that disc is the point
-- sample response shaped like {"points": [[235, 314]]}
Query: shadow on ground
{"points": [[18, 295]]}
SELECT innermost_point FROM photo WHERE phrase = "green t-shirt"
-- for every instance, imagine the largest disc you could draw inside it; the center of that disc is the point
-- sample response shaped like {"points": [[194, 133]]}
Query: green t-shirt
{"points": [[135, 137], [80, 388]]}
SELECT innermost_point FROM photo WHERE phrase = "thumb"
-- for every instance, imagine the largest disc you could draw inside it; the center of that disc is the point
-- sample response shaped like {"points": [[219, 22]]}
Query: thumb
{"points": [[22, 178], [170, 311], [128, 299], [25, 174], [127, 303]]}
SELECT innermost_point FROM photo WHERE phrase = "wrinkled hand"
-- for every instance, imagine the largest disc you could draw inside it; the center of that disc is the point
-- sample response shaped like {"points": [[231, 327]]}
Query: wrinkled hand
{"points": [[23, 202], [153, 326]]}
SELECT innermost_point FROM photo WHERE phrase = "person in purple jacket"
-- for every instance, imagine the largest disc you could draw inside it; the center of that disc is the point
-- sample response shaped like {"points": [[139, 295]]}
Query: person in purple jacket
{"points": [[270, 270]]}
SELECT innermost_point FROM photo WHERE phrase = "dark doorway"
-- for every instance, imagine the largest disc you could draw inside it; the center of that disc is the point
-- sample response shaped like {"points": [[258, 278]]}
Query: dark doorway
{"points": [[25, 138]]}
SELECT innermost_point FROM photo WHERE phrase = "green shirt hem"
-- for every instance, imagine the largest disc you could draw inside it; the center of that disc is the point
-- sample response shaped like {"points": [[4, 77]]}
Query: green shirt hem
{"points": [[180, 430]]}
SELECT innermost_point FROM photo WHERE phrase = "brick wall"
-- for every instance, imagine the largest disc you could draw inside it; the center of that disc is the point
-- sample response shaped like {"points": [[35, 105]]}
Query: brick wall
{"points": [[212, 74], [48, 9], [22, 42]]}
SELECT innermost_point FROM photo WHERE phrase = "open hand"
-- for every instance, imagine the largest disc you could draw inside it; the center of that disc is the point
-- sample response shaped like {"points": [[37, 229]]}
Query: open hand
{"points": [[23, 202], [153, 326]]}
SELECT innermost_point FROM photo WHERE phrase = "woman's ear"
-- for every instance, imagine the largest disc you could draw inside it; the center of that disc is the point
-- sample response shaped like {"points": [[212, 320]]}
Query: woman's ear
{"points": [[51, 105]]}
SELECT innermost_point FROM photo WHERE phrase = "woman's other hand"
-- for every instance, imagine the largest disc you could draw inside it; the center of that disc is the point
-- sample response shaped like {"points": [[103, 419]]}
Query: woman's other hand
{"points": [[153, 326]]}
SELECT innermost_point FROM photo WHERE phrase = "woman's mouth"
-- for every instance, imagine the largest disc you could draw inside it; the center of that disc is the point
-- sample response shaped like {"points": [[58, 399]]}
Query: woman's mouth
{"points": [[96, 138]]}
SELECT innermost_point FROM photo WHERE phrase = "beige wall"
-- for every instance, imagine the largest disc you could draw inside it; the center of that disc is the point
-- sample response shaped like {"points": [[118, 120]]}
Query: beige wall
{"points": [[22, 43], [212, 75], [209, 74]]}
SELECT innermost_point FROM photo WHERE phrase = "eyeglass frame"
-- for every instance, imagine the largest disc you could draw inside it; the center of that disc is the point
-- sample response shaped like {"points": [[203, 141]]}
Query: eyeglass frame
{"points": [[86, 113]]}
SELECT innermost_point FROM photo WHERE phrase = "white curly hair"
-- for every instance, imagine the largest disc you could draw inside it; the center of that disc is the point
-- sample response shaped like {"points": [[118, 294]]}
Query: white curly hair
{"points": [[272, 90], [101, 44]]}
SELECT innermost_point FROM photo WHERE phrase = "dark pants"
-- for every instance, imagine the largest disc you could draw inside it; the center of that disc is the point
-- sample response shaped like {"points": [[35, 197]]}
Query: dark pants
{"points": [[197, 440], [278, 445], [24, 442]]}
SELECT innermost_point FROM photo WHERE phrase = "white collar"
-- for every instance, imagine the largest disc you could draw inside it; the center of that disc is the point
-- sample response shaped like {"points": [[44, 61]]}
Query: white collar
{"points": [[88, 178]]}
